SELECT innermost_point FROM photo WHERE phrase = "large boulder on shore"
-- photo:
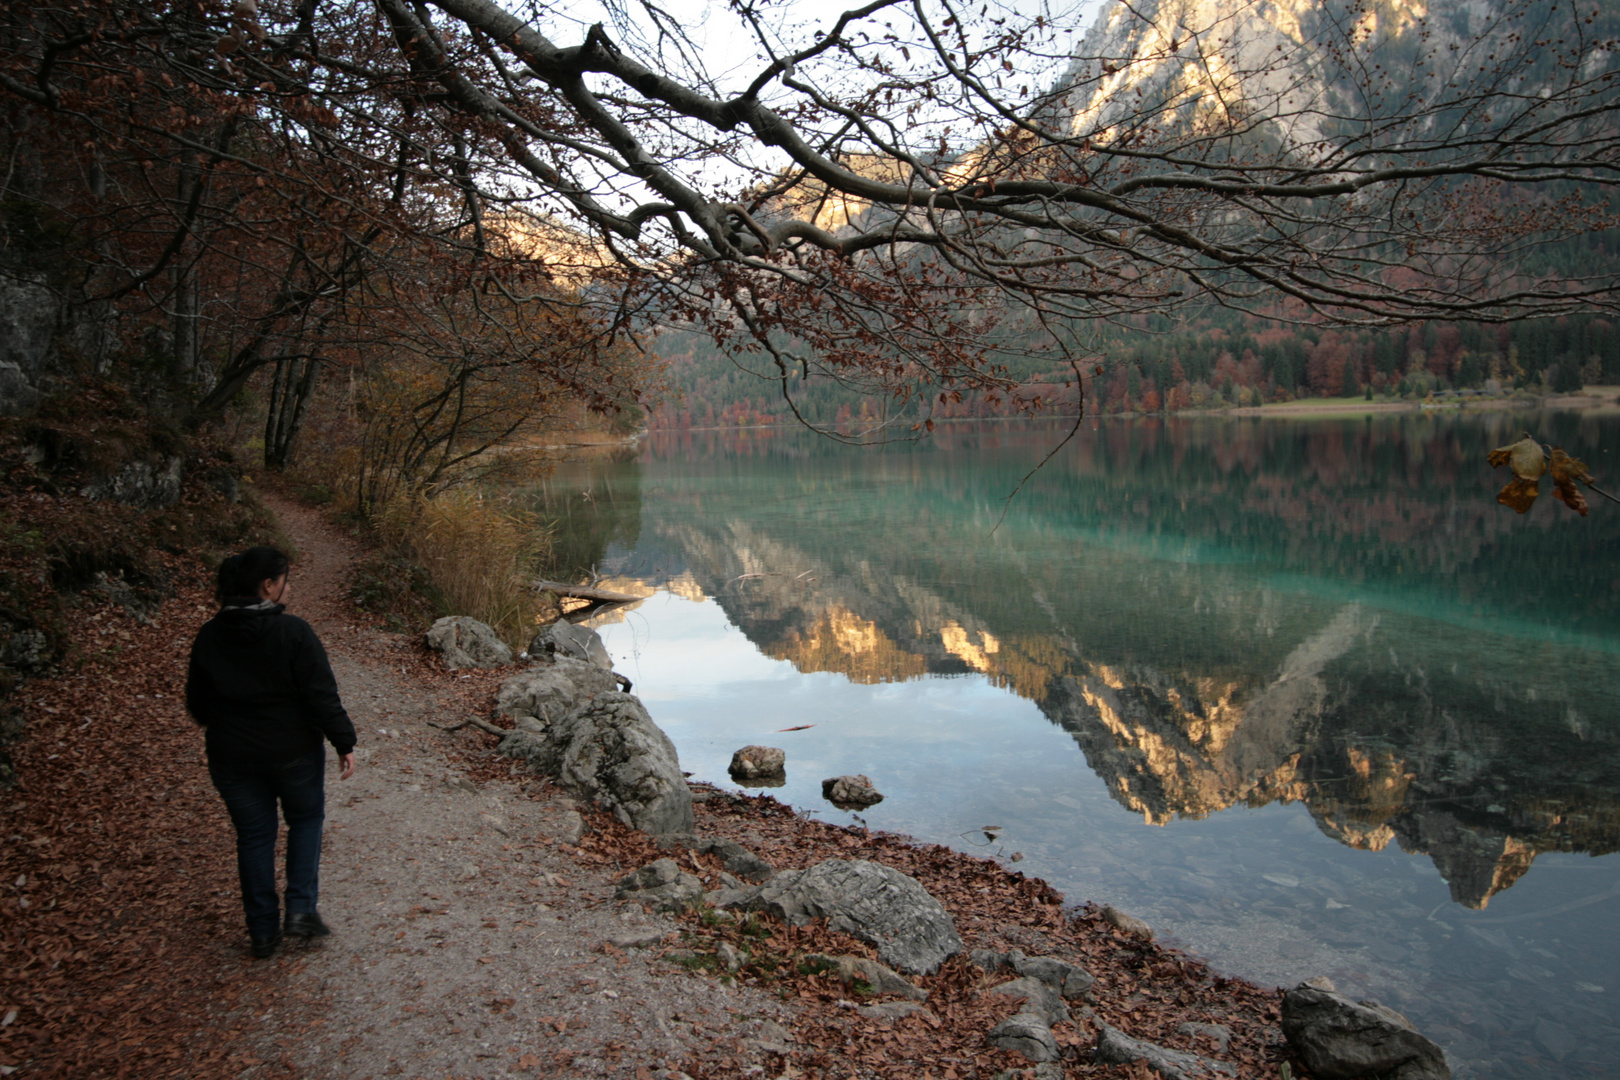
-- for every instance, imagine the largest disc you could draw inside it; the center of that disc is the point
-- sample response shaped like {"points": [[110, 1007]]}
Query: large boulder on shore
{"points": [[464, 642], [550, 692], [609, 750], [564, 639], [1340, 1039], [868, 901]]}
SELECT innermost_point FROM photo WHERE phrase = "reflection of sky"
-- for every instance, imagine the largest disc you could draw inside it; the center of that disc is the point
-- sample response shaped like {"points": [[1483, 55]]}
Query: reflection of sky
{"points": [[1262, 891]]}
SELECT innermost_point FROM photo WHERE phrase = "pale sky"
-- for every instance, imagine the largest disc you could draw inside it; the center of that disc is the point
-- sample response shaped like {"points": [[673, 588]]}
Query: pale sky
{"points": [[729, 50]]}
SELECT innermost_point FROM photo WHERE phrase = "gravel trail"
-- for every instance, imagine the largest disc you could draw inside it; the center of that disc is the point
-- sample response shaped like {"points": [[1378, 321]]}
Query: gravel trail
{"points": [[468, 941]]}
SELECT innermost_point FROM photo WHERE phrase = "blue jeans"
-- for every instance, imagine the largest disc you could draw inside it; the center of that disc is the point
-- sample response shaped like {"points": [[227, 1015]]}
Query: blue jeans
{"points": [[251, 791]]}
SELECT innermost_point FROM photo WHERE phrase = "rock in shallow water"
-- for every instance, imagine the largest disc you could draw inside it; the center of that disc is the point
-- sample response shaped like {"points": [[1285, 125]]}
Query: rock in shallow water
{"points": [[850, 792], [758, 762], [1339, 1039], [1127, 924]]}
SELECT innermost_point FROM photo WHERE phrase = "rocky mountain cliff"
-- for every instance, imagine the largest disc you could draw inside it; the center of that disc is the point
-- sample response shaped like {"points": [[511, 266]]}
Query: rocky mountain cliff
{"points": [[1311, 70]]}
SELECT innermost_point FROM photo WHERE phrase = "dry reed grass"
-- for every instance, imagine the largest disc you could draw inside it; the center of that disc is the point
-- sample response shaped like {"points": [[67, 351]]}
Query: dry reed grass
{"points": [[479, 554]]}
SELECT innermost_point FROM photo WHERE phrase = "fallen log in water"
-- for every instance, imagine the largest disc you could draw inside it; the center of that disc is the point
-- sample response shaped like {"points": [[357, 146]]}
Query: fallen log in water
{"points": [[586, 592]]}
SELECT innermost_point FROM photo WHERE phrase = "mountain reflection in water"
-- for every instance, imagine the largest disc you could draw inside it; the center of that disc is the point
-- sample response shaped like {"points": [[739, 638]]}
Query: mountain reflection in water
{"points": [[1220, 613]]}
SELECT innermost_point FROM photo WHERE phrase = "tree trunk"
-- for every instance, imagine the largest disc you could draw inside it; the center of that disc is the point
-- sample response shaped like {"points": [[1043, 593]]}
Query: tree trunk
{"points": [[183, 364], [290, 391]]}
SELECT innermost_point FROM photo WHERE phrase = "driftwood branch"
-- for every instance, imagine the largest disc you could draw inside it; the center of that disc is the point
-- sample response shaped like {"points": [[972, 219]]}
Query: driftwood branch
{"points": [[587, 592], [472, 721]]}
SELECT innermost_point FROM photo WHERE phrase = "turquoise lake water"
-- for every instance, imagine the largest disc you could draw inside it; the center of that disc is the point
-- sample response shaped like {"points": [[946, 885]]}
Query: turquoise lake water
{"points": [[1298, 692]]}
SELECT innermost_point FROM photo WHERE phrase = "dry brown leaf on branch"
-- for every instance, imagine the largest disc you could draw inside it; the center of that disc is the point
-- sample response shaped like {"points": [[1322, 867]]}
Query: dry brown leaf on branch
{"points": [[1519, 493], [1565, 471], [1528, 461]]}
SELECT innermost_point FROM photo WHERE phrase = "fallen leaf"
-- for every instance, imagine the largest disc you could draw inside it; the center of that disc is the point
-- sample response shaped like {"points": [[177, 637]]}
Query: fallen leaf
{"points": [[1565, 471], [528, 1061]]}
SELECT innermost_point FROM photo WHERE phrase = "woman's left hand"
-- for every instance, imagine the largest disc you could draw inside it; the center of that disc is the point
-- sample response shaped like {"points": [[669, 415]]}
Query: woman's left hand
{"points": [[346, 762]]}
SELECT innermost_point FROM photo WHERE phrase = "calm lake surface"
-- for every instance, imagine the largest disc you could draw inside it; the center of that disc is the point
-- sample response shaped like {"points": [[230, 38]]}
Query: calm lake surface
{"points": [[1297, 692]]}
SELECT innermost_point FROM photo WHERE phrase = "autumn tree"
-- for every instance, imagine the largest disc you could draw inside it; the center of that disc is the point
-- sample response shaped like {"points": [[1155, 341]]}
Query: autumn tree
{"points": [[907, 194], [231, 230]]}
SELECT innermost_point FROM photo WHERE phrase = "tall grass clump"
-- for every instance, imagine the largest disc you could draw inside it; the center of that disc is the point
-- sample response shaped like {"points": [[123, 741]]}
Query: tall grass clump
{"points": [[479, 555]]}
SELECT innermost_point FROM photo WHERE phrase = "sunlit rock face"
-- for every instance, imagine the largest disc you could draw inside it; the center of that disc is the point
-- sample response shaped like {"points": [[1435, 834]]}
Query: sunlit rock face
{"points": [[1209, 66]]}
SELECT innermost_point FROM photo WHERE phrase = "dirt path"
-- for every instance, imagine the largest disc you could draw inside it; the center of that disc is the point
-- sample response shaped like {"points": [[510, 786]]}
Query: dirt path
{"points": [[477, 935], [468, 942]]}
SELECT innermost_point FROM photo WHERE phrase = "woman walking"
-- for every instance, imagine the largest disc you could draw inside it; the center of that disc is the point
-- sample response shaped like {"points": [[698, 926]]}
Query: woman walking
{"points": [[261, 686]]}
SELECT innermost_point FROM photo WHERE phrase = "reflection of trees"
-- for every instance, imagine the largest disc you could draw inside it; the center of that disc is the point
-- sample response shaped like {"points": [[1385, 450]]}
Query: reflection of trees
{"points": [[589, 506], [1193, 690]]}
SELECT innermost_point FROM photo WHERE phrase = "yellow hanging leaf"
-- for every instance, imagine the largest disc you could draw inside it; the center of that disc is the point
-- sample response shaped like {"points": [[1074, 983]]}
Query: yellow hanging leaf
{"points": [[1528, 461]]}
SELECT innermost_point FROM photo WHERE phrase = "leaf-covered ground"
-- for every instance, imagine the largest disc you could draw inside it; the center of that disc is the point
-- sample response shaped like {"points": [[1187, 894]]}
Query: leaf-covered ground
{"points": [[122, 955]]}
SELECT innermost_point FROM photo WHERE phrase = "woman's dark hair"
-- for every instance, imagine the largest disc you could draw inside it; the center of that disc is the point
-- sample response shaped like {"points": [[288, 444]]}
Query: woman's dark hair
{"points": [[240, 575]]}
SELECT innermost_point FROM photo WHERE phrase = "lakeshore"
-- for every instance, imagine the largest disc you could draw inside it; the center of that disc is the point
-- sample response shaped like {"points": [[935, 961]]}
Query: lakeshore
{"points": [[1250, 679], [437, 822], [477, 934]]}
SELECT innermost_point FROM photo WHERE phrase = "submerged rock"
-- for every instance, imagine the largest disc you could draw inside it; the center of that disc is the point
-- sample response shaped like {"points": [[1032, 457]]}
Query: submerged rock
{"points": [[1339, 1039], [464, 642]]}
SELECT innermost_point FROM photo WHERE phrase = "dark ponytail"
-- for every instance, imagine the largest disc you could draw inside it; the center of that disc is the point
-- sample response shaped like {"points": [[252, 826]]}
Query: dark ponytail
{"points": [[240, 575]]}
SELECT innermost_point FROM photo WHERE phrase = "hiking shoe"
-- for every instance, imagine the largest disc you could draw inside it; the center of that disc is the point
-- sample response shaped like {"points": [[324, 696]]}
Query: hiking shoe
{"points": [[306, 924]]}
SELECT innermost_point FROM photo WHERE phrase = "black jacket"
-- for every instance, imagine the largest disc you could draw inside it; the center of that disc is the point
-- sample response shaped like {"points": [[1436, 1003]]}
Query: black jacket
{"points": [[259, 682]]}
